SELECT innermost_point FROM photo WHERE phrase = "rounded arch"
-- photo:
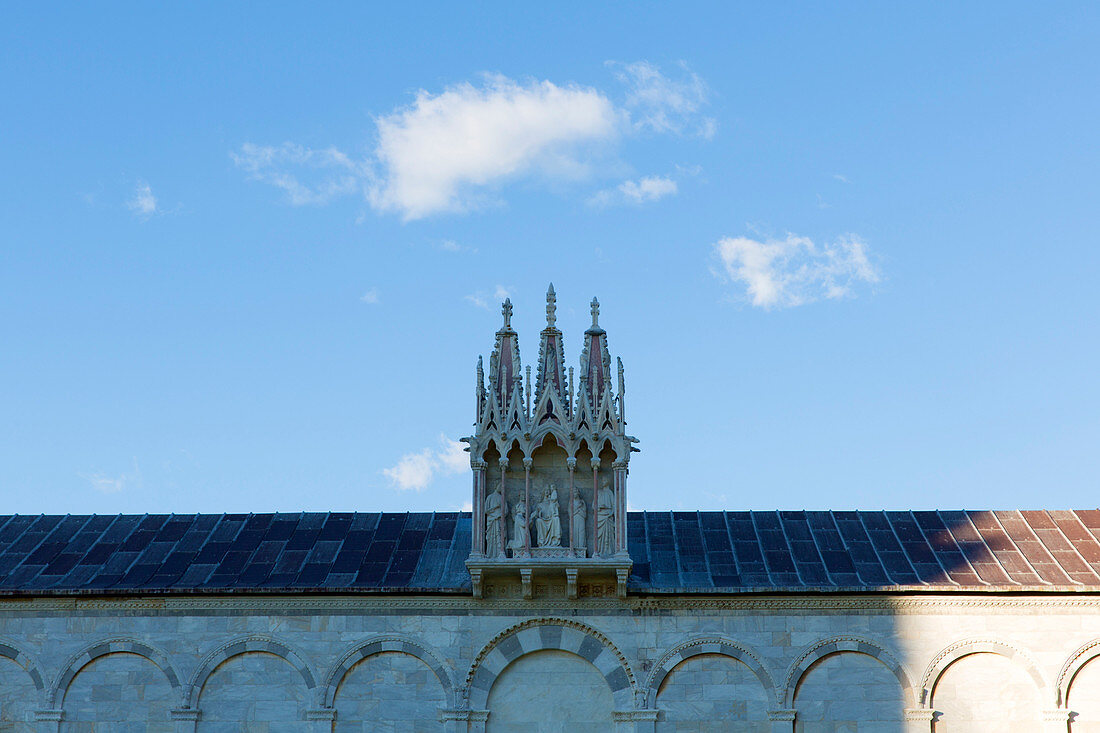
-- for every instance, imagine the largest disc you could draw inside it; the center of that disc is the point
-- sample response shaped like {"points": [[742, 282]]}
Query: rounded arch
{"points": [[705, 645], [1084, 654], [954, 652], [377, 645], [840, 645], [9, 650], [549, 633], [92, 652], [244, 645]]}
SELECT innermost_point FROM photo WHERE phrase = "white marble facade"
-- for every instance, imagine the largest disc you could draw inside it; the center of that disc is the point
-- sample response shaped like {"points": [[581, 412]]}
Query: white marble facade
{"points": [[826, 664]]}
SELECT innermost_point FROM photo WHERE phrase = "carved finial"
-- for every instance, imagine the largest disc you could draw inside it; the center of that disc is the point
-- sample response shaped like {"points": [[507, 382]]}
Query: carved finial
{"points": [[551, 306], [506, 311], [595, 313]]}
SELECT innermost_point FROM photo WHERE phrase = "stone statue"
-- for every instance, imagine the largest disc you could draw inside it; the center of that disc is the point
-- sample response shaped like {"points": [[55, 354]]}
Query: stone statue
{"points": [[577, 529], [605, 520], [519, 527], [494, 516], [548, 519]]}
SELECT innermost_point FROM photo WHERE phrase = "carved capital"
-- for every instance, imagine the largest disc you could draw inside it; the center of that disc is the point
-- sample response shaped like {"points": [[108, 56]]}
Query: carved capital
{"points": [[321, 714], [49, 715], [503, 463], [571, 463], [527, 463], [781, 715], [595, 462], [479, 465], [184, 714]]}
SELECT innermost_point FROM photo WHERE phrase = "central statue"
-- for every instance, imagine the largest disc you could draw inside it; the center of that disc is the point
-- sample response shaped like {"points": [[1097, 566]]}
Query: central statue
{"points": [[548, 519]]}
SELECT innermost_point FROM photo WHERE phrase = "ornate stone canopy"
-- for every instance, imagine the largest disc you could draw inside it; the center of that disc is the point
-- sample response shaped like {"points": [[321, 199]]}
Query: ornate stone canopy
{"points": [[549, 459]]}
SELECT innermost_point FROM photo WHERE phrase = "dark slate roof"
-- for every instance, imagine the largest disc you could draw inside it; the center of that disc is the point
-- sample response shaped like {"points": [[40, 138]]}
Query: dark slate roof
{"points": [[684, 552]]}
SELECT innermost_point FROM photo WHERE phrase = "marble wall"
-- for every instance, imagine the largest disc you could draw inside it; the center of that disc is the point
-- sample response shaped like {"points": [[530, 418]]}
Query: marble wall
{"points": [[753, 665]]}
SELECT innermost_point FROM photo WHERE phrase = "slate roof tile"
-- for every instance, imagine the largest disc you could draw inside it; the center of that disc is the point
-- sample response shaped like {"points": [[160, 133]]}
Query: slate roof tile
{"points": [[672, 551]]}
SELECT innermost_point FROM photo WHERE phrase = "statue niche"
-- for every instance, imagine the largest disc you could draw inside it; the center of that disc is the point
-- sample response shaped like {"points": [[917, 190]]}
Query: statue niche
{"points": [[548, 519], [494, 522]]}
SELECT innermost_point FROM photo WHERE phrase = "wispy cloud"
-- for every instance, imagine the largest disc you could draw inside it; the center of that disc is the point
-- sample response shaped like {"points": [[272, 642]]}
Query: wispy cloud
{"points": [[143, 203], [839, 177], [453, 151], [664, 104], [329, 172], [114, 484], [450, 245], [782, 273], [481, 298], [371, 296], [415, 471], [643, 190]]}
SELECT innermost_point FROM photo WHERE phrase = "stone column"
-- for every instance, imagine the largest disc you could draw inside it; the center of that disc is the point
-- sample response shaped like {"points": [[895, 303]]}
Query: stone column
{"points": [[635, 721], [571, 464], [527, 462], [503, 463], [48, 721], [782, 721], [476, 720], [321, 720], [620, 507], [1056, 721], [918, 720], [595, 502], [477, 539]]}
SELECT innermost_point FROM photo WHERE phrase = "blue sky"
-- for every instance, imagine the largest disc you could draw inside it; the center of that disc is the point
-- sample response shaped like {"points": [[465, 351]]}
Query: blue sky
{"points": [[250, 254]]}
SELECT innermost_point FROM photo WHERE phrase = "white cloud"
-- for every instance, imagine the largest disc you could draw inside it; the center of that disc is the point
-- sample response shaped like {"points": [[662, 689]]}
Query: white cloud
{"points": [[107, 484], [842, 179], [143, 203], [449, 245], [662, 104], [781, 273], [436, 153], [452, 455], [481, 298], [371, 296], [414, 471], [332, 173], [649, 188], [451, 151]]}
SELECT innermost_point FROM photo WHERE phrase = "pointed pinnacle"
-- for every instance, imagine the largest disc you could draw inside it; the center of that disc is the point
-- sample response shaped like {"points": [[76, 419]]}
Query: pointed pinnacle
{"points": [[595, 313], [551, 306], [506, 311]]}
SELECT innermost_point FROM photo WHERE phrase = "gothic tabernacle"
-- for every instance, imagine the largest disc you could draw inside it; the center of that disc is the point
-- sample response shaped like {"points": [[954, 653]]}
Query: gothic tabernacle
{"points": [[549, 483]]}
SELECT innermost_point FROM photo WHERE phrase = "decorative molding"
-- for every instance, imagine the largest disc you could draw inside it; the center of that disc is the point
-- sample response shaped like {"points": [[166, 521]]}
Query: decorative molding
{"points": [[621, 681], [782, 716], [964, 648], [1082, 656], [115, 645], [191, 714], [377, 645], [462, 602], [841, 645], [252, 643], [709, 644], [11, 650]]}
